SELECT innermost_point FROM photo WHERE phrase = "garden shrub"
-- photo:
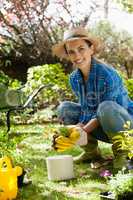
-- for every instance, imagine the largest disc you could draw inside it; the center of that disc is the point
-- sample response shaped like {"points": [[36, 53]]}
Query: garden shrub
{"points": [[129, 86], [3, 78], [9, 82], [127, 82], [54, 75], [122, 185], [124, 141]]}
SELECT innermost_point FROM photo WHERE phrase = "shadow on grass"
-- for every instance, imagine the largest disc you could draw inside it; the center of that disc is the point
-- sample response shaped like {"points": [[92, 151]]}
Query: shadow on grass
{"points": [[33, 192]]}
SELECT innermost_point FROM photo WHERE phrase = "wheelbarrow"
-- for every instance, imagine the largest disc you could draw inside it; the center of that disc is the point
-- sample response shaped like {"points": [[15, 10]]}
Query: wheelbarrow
{"points": [[14, 100]]}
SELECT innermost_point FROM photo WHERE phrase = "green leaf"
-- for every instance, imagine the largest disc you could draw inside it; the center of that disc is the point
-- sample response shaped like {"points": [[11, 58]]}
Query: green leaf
{"points": [[117, 141], [117, 137], [64, 131]]}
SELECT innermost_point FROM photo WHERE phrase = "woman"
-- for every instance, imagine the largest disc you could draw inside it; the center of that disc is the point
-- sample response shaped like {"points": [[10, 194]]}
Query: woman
{"points": [[104, 106]]}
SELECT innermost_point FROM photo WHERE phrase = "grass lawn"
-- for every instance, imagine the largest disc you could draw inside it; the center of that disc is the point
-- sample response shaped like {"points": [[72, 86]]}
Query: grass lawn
{"points": [[29, 145]]}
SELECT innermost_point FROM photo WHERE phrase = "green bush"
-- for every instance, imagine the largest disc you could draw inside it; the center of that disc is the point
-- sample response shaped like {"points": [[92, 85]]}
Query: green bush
{"points": [[4, 79], [9, 82], [54, 75], [122, 185], [129, 86], [127, 82], [124, 141]]}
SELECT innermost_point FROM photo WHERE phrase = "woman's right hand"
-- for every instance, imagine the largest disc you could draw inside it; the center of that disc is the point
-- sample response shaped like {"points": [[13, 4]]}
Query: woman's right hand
{"points": [[80, 125]]}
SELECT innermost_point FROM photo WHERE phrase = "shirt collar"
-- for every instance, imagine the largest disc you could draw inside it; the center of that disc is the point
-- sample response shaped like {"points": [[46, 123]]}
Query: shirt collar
{"points": [[92, 73]]}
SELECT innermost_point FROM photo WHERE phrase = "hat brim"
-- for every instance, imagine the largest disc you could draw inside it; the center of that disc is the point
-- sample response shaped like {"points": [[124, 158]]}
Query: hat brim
{"points": [[59, 50]]}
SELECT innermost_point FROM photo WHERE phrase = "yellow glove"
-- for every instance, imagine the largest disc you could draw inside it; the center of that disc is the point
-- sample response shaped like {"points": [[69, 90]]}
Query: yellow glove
{"points": [[63, 143], [79, 135], [75, 136]]}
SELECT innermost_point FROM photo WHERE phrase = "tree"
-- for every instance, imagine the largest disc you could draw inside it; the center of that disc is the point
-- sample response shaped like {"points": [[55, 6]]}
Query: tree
{"points": [[29, 30], [117, 48], [24, 34], [126, 5], [106, 8]]}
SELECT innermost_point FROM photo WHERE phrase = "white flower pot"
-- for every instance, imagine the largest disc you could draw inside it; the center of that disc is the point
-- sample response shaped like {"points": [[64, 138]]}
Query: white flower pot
{"points": [[60, 167]]}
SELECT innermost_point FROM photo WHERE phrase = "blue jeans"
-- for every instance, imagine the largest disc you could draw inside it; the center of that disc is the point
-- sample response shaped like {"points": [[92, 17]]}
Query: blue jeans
{"points": [[111, 116]]}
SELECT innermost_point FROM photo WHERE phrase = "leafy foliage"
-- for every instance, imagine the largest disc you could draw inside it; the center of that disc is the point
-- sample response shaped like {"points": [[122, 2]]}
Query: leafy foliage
{"points": [[128, 82], [4, 79], [126, 5], [8, 145], [129, 86], [29, 29], [6, 50], [124, 141], [121, 184], [9, 82], [52, 75], [117, 47], [63, 131]]}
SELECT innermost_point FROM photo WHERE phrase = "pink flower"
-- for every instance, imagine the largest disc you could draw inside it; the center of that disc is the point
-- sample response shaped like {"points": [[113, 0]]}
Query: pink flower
{"points": [[105, 173]]}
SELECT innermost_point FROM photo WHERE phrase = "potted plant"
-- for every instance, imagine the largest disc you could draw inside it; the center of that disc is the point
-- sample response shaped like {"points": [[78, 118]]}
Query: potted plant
{"points": [[121, 185]]}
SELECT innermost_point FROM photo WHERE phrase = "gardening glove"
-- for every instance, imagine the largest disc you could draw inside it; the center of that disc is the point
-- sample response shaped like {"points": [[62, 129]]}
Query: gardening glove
{"points": [[75, 136], [79, 135], [63, 143]]}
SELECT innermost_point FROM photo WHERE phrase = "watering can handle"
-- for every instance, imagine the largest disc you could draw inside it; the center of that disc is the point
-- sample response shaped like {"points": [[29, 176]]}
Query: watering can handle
{"points": [[7, 161]]}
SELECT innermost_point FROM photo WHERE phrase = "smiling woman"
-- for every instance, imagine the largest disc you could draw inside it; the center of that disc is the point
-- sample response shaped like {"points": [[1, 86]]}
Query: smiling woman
{"points": [[104, 105], [80, 55]]}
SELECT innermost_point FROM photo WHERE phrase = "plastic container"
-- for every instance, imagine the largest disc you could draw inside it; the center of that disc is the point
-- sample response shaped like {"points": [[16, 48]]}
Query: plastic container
{"points": [[60, 167]]}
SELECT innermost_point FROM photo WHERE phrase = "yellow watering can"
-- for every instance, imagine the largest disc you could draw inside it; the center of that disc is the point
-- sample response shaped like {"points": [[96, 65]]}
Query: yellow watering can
{"points": [[8, 179]]}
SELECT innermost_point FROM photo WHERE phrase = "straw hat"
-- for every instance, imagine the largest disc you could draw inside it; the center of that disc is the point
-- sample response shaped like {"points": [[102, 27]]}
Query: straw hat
{"points": [[74, 34]]}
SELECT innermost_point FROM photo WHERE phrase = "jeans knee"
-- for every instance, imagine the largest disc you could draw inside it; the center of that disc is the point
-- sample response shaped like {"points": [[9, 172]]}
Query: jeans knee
{"points": [[106, 109], [62, 108], [112, 117], [68, 112]]}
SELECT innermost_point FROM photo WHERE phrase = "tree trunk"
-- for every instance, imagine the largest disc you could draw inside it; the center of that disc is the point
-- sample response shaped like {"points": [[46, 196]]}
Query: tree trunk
{"points": [[106, 9]]}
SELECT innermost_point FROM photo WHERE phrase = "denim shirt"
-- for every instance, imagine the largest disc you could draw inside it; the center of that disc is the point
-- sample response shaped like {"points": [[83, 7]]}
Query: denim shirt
{"points": [[103, 84]]}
